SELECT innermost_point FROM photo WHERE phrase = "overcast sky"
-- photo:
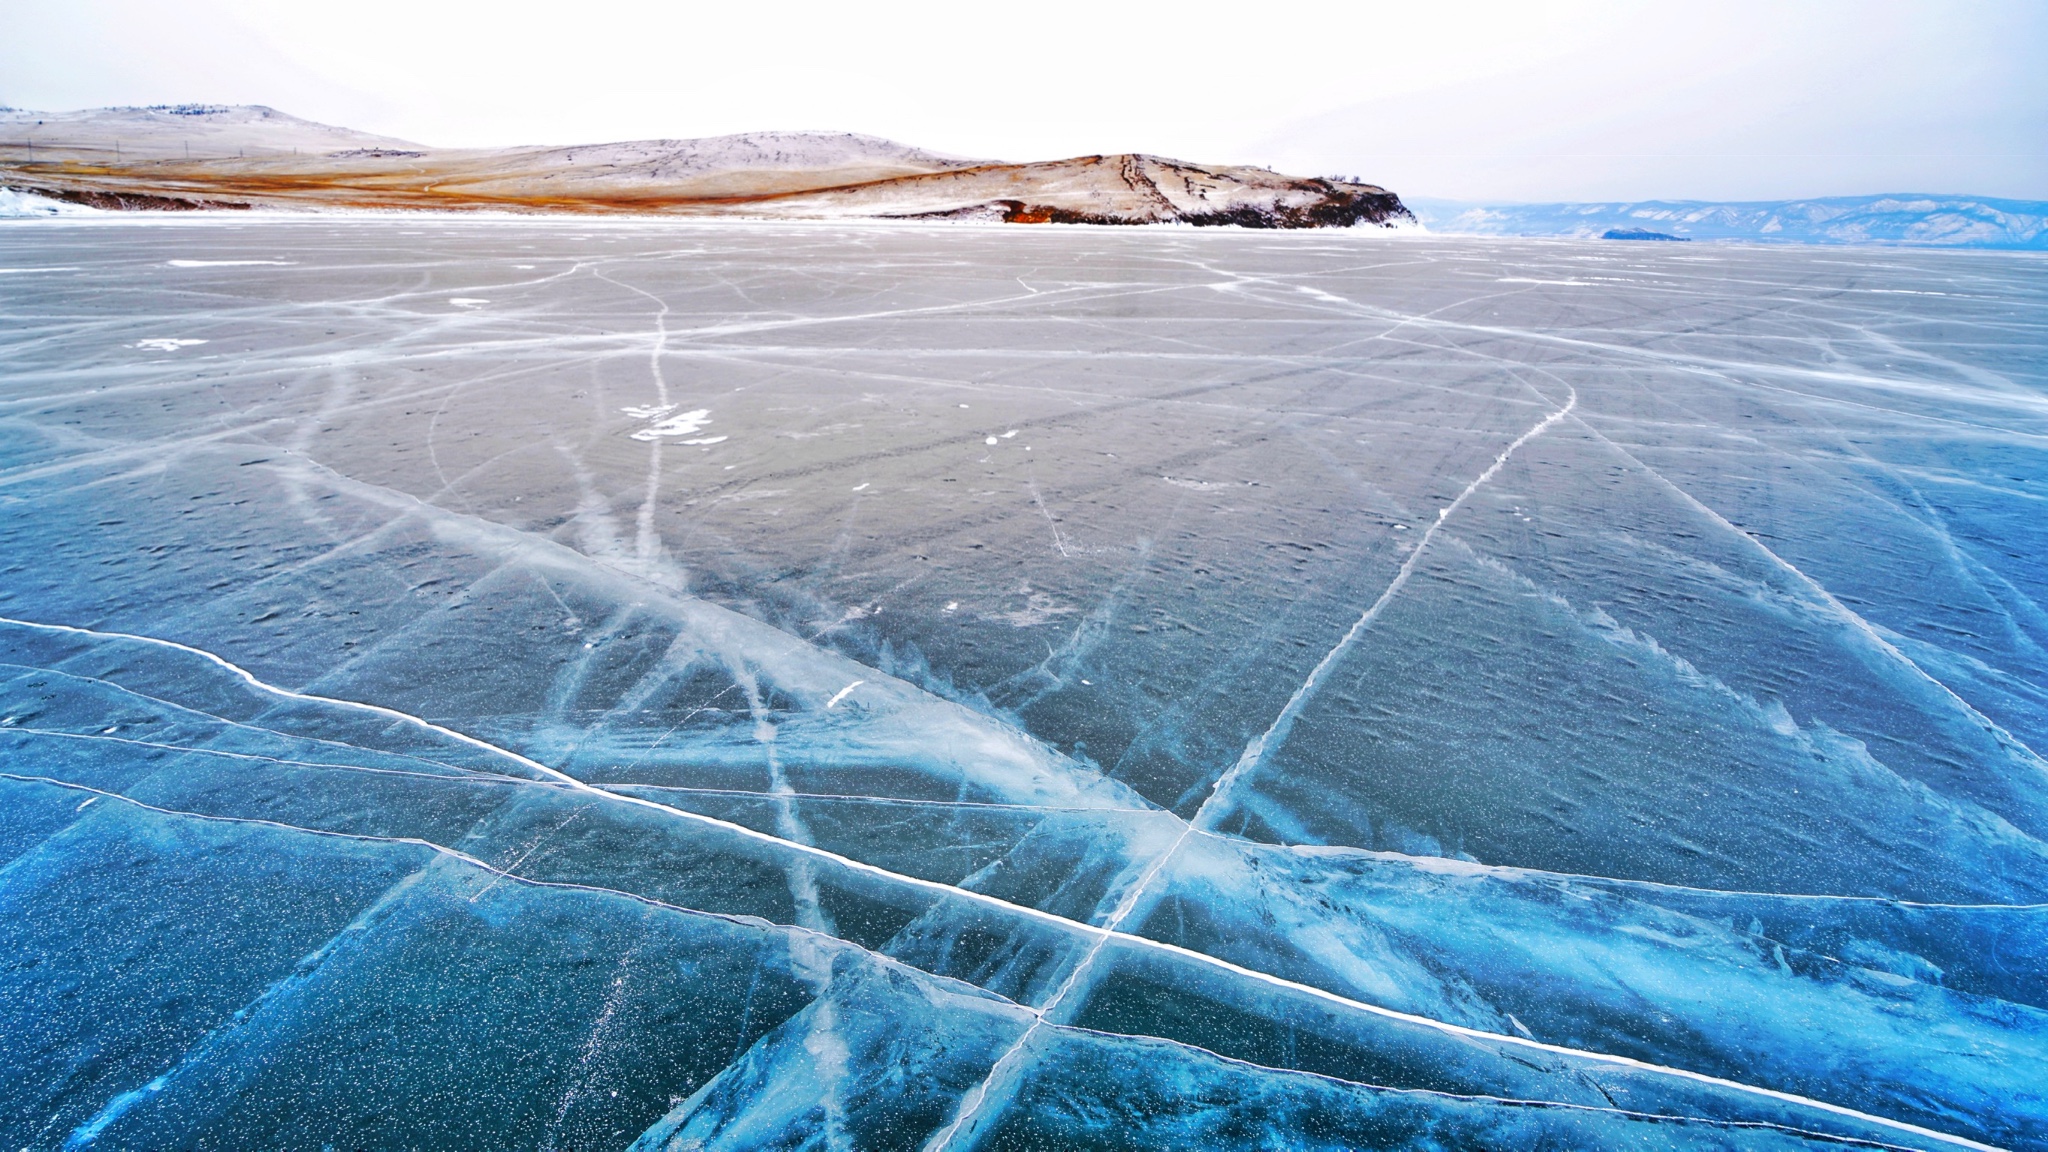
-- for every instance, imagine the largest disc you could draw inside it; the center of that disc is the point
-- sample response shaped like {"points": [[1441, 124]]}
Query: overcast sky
{"points": [[1476, 100]]}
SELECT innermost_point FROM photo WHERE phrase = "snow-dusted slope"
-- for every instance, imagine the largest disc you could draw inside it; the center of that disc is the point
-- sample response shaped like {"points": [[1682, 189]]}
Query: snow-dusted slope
{"points": [[210, 157], [747, 151], [27, 205], [1897, 218], [175, 132], [748, 164]]}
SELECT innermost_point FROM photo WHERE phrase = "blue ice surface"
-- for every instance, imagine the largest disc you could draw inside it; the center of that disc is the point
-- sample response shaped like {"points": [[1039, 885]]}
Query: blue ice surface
{"points": [[543, 684]]}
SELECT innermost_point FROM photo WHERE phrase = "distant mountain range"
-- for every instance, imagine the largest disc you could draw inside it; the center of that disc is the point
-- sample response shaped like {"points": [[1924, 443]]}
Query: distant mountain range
{"points": [[246, 156], [1904, 219]]}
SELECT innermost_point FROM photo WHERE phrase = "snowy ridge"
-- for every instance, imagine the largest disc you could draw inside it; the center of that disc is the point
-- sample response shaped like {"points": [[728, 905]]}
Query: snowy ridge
{"points": [[179, 131], [786, 151], [1896, 218]]}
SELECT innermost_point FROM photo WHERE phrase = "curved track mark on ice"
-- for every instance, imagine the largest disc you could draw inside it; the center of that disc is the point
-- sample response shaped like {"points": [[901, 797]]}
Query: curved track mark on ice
{"points": [[647, 545]]}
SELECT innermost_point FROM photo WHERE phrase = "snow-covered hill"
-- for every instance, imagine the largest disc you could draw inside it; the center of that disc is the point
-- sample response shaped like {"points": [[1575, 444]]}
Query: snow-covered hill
{"points": [[1945, 221], [755, 151], [177, 132]]}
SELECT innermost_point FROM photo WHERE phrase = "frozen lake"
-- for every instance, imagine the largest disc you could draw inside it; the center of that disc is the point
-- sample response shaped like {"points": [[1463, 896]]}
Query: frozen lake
{"points": [[521, 684]]}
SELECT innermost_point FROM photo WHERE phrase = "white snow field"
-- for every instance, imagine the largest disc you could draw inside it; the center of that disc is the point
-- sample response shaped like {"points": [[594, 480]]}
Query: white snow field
{"points": [[495, 683]]}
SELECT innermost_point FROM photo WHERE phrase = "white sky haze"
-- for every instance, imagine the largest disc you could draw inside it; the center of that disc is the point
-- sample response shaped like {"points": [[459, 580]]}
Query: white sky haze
{"points": [[1472, 100]]}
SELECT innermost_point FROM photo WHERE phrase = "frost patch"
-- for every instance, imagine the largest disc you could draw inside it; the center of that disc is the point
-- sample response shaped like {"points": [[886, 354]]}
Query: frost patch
{"points": [[827, 430], [1038, 609]]}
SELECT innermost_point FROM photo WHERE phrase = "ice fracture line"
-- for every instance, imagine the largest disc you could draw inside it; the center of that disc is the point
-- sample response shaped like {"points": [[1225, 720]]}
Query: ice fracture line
{"points": [[1846, 613], [1219, 799], [1100, 933], [961, 1132]]}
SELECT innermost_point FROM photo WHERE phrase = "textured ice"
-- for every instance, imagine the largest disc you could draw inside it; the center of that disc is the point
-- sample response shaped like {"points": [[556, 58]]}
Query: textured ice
{"points": [[944, 688]]}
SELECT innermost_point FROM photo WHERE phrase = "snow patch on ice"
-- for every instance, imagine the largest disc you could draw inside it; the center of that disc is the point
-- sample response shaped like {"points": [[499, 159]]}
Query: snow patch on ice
{"points": [[1319, 294], [683, 424]]}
